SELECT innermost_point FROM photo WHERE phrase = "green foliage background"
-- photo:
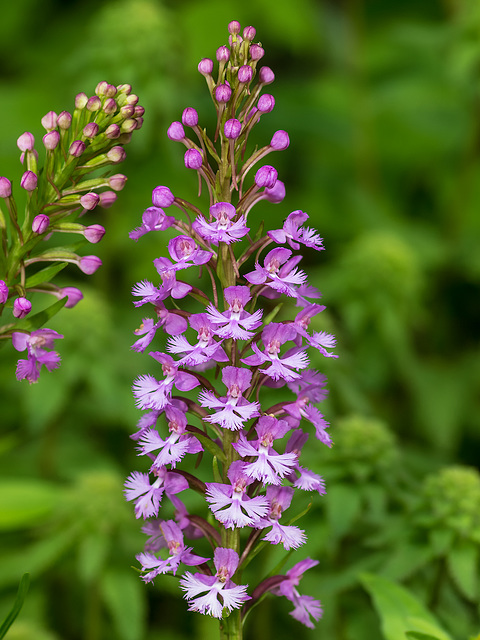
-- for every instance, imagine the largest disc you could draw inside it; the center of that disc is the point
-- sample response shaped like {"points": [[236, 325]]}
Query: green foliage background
{"points": [[381, 101]]}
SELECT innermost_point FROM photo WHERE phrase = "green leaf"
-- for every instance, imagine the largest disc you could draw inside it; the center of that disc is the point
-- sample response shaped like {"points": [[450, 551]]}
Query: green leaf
{"points": [[92, 553], [124, 595], [343, 505], [418, 635], [32, 323], [406, 559], [23, 502], [44, 275], [462, 563], [17, 605], [210, 445], [441, 540], [400, 612]]}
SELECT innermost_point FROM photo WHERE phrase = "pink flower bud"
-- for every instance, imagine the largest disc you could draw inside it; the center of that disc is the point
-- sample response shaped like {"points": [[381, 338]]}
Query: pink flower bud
{"points": [[109, 106], [256, 52], [90, 200], [49, 121], [94, 104], [280, 140], [3, 292], [162, 197], [107, 198], [73, 294], [205, 66], [234, 27], [113, 131], [40, 223], [266, 103], [116, 155], [90, 130], [266, 176], [266, 75], [94, 233], [81, 100], [245, 74], [222, 93], [139, 110], [21, 307], [276, 194], [132, 99], [176, 131], [51, 140], [64, 120], [76, 148], [29, 181], [124, 88], [127, 110], [5, 188], [193, 159], [223, 54], [117, 181], [89, 264], [190, 117], [26, 141], [232, 128], [249, 33], [101, 88], [128, 125]]}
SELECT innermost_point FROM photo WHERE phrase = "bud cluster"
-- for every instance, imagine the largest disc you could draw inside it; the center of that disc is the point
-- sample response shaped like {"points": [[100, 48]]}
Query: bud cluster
{"points": [[57, 194], [235, 355]]}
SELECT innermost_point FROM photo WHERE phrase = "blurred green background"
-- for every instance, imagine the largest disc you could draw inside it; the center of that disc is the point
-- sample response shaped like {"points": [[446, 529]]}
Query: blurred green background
{"points": [[381, 101]]}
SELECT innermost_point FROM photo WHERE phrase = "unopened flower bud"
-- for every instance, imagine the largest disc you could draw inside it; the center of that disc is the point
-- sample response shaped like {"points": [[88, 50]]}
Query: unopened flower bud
{"points": [[112, 131], [51, 140], [234, 27], [94, 104], [116, 155], [76, 148], [162, 197], [21, 307], [176, 131], [29, 181], [139, 110], [190, 117], [64, 120], [117, 182], [107, 198], [101, 88], [3, 292], [249, 33], [5, 188], [109, 106], [128, 125], [276, 194], [266, 103], [223, 54], [124, 88], [81, 100], [90, 130], [232, 128], [73, 294], [40, 223], [26, 141], [222, 93], [205, 66], [94, 233], [127, 110], [256, 52], [245, 74], [89, 264], [139, 122], [266, 176], [193, 159], [266, 75], [49, 121], [132, 99], [90, 200], [234, 40], [280, 140]]}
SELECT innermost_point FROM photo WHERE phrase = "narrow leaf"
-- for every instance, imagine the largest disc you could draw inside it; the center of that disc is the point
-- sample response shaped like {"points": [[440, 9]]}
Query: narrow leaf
{"points": [[17, 605], [44, 275], [32, 323], [462, 562]]}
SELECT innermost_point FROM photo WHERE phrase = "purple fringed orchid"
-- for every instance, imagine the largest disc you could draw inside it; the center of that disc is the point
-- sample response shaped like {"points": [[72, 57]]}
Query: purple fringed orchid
{"points": [[228, 346], [37, 344]]}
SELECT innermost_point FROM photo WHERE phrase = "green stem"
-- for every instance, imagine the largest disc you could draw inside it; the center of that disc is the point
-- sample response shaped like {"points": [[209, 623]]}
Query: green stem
{"points": [[231, 627]]}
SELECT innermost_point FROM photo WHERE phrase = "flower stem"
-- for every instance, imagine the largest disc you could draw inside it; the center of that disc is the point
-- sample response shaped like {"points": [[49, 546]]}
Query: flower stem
{"points": [[231, 627]]}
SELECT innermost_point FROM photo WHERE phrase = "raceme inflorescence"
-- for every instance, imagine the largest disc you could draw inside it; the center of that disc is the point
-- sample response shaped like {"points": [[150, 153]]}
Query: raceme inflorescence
{"points": [[57, 194], [209, 425]]}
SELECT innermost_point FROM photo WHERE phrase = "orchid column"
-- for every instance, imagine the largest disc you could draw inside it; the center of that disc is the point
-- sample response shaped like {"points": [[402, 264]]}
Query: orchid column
{"points": [[231, 352]]}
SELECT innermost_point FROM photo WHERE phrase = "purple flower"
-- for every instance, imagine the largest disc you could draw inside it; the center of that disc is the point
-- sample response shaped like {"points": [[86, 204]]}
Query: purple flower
{"points": [[269, 467], [153, 219], [235, 317], [184, 252], [162, 197], [207, 348], [223, 229], [274, 336], [290, 536], [178, 553], [306, 607], [171, 323], [293, 233], [280, 280], [154, 394], [233, 409], [149, 496], [212, 587], [230, 503], [3, 292], [21, 307], [36, 344], [310, 388], [147, 292], [175, 446], [307, 480]]}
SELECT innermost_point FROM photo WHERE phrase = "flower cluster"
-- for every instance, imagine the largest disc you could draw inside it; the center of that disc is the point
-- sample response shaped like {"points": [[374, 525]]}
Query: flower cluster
{"points": [[222, 358], [57, 195]]}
